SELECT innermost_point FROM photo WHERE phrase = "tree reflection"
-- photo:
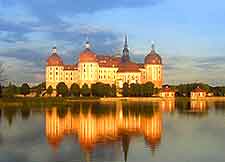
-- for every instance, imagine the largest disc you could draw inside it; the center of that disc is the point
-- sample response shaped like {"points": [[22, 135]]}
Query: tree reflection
{"points": [[62, 111], [9, 114], [25, 113]]}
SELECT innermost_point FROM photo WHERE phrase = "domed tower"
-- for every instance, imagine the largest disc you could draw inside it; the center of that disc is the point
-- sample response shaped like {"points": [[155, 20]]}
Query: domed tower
{"points": [[154, 68], [54, 68], [88, 66]]}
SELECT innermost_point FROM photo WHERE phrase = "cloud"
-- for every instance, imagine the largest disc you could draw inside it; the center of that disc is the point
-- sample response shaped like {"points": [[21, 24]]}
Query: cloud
{"points": [[184, 69], [51, 7], [19, 71]]}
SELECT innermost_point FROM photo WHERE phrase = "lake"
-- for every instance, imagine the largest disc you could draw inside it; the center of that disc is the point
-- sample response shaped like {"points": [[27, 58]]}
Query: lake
{"points": [[162, 131]]}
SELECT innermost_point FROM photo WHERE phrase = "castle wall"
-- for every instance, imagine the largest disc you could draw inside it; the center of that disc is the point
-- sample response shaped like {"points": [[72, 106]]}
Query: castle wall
{"points": [[154, 74]]}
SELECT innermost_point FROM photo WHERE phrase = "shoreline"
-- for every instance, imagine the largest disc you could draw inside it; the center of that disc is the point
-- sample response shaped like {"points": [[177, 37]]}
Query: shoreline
{"points": [[39, 101]]}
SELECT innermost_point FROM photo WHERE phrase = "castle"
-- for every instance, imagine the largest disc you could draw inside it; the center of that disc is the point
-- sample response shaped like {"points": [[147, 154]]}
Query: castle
{"points": [[92, 68]]}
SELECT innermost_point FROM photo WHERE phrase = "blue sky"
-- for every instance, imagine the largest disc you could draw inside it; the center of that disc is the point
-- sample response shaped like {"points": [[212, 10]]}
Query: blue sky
{"points": [[189, 35]]}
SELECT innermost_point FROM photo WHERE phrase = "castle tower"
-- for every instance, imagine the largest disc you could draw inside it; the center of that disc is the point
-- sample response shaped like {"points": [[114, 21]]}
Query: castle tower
{"points": [[54, 68], [125, 57], [154, 68], [88, 66]]}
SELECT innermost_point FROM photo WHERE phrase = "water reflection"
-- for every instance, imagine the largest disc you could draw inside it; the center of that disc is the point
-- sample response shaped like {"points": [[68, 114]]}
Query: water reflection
{"points": [[115, 124], [198, 106], [167, 105], [97, 126]]}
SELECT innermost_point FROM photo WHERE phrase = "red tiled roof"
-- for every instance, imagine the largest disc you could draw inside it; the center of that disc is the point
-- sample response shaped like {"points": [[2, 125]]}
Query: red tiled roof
{"points": [[108, 61], [198, 89], [54, 60], [167, 89], [87, 56], [153, 58], [128, 67], [70, 67]]}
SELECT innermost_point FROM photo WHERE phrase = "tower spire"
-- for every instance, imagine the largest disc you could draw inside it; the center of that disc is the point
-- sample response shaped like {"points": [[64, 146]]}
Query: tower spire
{"points": [[125, 57], [125, 44], [87, 43], [54, 50], [153, 46]]}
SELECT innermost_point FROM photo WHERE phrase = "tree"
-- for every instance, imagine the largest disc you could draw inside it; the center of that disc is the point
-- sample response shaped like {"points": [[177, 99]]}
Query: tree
{"points": [[114, 90], [125, 90], [75, 89], [49, 90], [85, 90], [10, 91], [25, 89], [148, 89], [108, 91], [98, 89], [62, 89]]}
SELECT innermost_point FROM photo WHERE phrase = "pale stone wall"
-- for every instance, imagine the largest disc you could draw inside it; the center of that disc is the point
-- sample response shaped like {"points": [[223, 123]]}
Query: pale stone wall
{"points": [[88, 73], [54, 75], [70, 77], [198, 95], [129, 77], [107, 75], [167, 94], [154, 73]]}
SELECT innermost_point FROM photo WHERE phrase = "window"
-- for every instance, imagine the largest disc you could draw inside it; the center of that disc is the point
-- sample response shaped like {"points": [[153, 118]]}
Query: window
{"points": [[71, 73], [56, 73], [50, 73], [71, 78], [56, 68]]}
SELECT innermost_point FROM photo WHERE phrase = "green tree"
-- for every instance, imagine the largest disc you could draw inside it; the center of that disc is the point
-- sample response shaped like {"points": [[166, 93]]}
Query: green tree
{"points": [[49, 90], [108, 91], [75, 89], [10, 91], [113, 90], [135, 90], [85, 90], [62, 89], [25, 89], [125, 90], [148, 89], [98, 89]]}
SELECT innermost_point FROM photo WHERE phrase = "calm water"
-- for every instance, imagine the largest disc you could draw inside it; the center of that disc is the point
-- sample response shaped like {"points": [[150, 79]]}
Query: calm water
{"points": [[164, 131]]}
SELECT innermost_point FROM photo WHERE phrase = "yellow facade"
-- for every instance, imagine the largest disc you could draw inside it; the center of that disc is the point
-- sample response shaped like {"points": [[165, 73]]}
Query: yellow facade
{"points": [[91, 69]]}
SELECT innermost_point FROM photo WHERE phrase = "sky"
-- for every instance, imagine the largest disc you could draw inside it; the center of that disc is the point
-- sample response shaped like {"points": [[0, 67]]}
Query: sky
{"points": [[188, 34]]}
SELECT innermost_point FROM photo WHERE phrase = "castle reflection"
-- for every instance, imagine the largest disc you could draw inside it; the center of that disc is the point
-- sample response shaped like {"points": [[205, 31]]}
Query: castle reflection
{"points": [[198, 106], [118, 123]]}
